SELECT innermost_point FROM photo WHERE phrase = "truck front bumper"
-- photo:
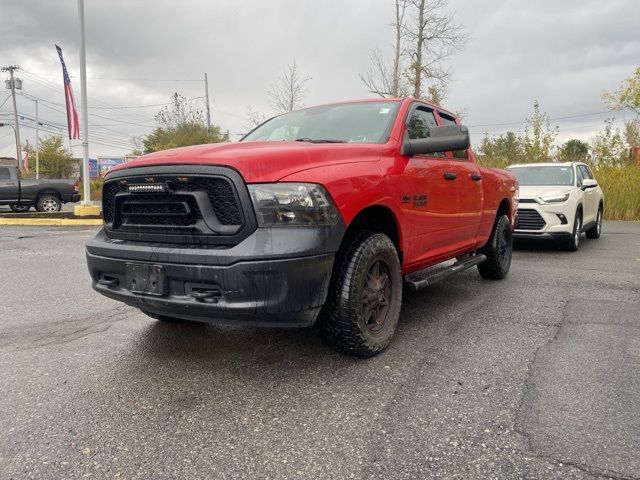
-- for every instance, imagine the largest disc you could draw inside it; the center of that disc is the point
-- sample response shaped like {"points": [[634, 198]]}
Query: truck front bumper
{"points": [[276, 277]]}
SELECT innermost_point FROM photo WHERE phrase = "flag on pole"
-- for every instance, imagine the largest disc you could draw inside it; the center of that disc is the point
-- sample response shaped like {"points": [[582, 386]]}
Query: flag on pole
{"points": [[25, 160], [72, 115]]}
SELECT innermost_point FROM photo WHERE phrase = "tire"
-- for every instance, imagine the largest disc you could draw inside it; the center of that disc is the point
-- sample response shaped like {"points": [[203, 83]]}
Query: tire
{"points": [[499, 251], [363, 306], [49, 204], [596, 230], [573, 243], [20, 208]]}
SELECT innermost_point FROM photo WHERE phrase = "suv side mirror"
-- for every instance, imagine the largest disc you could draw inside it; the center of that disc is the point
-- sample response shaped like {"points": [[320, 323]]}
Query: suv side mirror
{"points": [[589, 183], [441, 139]]}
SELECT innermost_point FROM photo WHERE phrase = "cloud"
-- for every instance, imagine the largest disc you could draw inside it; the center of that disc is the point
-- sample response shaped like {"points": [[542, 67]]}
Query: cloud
{"points": [[561, 53]]}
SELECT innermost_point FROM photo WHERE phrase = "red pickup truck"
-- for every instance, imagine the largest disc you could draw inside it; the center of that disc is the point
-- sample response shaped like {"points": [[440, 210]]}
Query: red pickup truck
{"points": [[316, 216]]}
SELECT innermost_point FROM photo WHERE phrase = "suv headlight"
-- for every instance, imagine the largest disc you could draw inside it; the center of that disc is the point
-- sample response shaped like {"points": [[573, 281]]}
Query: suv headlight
{"points": [[292, 204], [555, 198]]}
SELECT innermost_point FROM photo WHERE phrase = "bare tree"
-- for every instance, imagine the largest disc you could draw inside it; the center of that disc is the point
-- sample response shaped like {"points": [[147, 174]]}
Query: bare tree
{"points": [[254, 118], [384, 79], [288, 93], [432, 37]]}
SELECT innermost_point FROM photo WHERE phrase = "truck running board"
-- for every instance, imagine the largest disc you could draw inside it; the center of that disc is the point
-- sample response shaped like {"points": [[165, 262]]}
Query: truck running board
{"points": [[429, 276]]}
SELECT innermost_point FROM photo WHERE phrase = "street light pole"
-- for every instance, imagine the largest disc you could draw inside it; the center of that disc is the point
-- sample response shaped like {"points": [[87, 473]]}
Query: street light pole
{"points": [[85, 119], [206, 95]]}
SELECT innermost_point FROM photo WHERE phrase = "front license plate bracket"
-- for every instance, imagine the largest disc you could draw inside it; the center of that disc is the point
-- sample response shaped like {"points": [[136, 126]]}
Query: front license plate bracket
{"points": [[146, 279]]}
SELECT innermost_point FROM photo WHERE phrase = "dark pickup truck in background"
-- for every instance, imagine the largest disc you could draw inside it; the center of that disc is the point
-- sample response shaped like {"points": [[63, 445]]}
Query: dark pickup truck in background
{"points": [[44, 195]]}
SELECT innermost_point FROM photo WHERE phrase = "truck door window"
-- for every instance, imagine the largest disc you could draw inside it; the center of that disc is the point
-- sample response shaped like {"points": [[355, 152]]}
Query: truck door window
{"points": [[4, 173], [420, 123], [449, 120]]}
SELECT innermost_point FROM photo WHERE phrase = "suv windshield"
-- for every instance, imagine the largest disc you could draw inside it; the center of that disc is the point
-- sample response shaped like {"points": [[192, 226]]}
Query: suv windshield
{"points": [[543, 175], [368, 122]]}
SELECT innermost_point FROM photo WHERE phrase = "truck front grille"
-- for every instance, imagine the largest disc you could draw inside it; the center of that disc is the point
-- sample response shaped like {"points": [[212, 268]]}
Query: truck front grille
{"points": [[184, 208], [529, 219]]}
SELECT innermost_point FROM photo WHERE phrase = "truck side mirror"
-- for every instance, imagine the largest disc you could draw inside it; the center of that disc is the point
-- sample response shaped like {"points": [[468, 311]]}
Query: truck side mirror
{"points": [[589, 183], [440, 139]]}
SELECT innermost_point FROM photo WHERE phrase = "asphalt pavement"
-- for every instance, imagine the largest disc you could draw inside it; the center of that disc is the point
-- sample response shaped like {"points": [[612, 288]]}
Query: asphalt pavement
{"points": [[536, 376]]}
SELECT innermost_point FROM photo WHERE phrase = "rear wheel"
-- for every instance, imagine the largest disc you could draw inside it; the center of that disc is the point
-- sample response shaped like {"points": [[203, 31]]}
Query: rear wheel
{"points": [[596, 230], [49, 204], [573, 243], [363, 307], [499, 250], [20, 208]]}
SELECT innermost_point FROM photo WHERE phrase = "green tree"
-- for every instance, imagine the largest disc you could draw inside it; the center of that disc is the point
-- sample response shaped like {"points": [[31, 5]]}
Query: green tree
{"points": [[632, 133], [574, 150], [501, 150], [608, 147], [539, 137], [627, 97], [180, 124], [55, 161]]}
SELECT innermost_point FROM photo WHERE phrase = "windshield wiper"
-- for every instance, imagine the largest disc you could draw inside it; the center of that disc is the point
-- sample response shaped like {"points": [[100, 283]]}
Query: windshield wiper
{"points": [[319, 140]]}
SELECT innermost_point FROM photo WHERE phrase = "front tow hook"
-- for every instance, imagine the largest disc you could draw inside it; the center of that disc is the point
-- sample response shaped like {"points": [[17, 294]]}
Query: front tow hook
{"points": [[208, 296]]}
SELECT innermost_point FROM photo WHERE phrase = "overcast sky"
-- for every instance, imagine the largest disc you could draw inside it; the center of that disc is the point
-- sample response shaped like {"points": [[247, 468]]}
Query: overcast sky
{"points": [[562, 52]]}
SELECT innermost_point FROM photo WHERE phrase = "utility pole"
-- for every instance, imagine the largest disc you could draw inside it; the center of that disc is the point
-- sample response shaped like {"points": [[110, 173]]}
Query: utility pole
{"points": [[12, 83], [37, 143], [206, 96], [26, 142]]}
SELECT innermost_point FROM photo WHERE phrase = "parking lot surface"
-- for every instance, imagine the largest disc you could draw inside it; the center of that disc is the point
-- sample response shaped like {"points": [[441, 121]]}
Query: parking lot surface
{"points": [[537, 376]]}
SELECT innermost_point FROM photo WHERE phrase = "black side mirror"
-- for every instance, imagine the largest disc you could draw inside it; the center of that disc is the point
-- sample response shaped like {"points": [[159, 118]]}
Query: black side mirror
{"points": [[441, 139]]}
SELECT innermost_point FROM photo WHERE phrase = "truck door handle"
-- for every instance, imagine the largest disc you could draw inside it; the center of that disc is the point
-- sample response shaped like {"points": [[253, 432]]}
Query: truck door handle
{"points": [[450, 175], [476, 177]]}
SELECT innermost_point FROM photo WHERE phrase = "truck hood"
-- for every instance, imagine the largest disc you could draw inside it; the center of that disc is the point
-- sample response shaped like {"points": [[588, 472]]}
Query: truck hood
{"points": [[262, 161], [533, 191]]}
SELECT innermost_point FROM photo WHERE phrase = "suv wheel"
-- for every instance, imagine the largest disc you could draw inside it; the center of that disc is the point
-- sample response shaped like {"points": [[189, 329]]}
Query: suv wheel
{"points": [[499, 250], [596, 230], [363, 306], [573, 243], [20, 208], [49, 204]]}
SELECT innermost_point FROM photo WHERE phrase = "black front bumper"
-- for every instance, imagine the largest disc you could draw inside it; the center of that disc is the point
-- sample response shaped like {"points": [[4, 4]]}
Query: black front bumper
{"points": [[275, 277]]}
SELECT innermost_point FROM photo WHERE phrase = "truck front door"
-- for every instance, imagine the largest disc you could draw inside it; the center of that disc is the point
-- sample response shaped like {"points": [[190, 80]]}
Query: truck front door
{"points": [[428, 196], [8, 186]]}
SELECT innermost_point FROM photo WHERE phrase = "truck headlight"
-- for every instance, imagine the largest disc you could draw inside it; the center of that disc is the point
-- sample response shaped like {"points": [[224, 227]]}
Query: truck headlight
{"points": [[555, 198], [292, 204]]}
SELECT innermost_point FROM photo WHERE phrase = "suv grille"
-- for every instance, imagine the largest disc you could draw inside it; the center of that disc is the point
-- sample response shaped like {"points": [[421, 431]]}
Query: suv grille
{"points": [[529, 219]]}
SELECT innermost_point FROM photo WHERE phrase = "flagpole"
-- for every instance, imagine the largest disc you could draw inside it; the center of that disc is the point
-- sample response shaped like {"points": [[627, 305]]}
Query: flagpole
{"points": [[86, 201]]}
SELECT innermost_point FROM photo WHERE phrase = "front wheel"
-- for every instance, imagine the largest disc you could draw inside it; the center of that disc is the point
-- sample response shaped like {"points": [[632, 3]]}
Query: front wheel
{"points": [[20, 208], [596, 230], [573, 243], [363, 307], [499, 250], [49, 204]]}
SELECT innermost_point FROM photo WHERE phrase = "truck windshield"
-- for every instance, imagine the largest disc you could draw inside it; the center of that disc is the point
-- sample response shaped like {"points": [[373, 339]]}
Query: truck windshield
{"points": [[543, 175], [368, 122]]}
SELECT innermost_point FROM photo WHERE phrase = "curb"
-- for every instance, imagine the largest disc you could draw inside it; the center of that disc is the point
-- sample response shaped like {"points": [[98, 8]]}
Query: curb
{"points": [[51, 222]]}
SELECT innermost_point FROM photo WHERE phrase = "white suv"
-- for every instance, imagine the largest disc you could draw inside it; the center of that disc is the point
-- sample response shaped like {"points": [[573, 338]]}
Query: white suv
{"points": [[558, 201]]}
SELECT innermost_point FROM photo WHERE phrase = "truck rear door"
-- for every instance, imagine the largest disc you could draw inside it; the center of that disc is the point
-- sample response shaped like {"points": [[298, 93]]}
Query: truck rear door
{"points": [[468, 186], [9, 187]]}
